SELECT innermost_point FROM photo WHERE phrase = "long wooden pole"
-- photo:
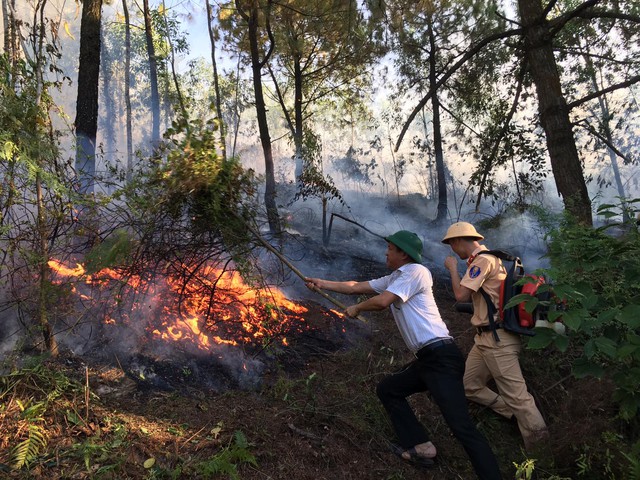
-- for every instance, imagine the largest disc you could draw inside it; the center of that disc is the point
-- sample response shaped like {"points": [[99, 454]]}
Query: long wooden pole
{"points": [[269, 247]]}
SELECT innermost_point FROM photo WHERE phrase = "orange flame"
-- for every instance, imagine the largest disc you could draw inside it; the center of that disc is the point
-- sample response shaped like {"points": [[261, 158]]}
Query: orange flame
{"points": [[215, 307]]}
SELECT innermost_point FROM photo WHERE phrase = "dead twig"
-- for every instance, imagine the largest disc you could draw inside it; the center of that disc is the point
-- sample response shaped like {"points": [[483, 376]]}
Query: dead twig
{"points": [[86, 392], [562, 380], [304, 433], [194, 435]]}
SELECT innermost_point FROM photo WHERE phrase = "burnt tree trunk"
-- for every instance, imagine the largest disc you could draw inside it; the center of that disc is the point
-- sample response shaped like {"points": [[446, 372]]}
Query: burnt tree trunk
{"points": [[553, 111], [86, 123]]}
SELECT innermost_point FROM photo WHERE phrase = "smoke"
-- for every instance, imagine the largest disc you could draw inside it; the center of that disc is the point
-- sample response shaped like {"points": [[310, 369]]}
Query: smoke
{"points": [[10, 333], [356, 251]]}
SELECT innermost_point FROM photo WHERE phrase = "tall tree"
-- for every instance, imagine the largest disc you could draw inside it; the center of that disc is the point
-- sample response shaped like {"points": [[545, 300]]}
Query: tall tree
{"points": [[127, 90], [538, 31], [86, 123], [10, 32], [153, 74], [553, 110], [216, 81], [257, 18], [606, 135], [322, 55], [41, 225], [437, 130], [425, 37], [594, 54]]}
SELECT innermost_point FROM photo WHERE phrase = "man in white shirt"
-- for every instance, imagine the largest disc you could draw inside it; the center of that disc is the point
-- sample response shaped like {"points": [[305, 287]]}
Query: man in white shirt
{"points": [[438, 367]]}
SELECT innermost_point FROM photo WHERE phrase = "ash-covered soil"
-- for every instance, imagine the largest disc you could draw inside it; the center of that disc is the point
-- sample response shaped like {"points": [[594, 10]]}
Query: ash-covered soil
{"points": [[307, 410]]}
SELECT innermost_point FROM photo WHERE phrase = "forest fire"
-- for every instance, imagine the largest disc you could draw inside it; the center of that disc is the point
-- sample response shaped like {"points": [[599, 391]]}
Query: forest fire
{"points": [[204, 307]]}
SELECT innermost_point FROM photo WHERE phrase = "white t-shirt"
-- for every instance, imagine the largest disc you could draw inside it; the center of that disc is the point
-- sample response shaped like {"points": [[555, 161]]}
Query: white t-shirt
{"points": [[416, 313]]}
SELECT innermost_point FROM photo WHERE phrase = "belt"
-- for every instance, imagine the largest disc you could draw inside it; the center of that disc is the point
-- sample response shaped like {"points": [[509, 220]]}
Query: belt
{"points": [[432, 346], [488, 328]]}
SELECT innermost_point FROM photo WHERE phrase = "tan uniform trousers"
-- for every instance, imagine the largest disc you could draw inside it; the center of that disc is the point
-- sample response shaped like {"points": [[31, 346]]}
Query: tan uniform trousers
{"points": [[499, 360]]}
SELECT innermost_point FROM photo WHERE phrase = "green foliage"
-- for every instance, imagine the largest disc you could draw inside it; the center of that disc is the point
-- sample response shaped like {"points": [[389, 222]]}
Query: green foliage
{"points": [[596, 276], [634, 462], [29, 449], [34, 390], [524, 470], [192, 184], [313, 182], [605, 460], [227, 460], [114, 250]]}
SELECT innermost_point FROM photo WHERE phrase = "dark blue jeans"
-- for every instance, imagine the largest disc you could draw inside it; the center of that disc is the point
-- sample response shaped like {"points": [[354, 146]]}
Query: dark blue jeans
{"points": [[439, 371]]}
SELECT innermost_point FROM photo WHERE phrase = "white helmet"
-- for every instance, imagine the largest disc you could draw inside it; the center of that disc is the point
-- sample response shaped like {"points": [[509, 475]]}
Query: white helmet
{"points": [[460, 230]]}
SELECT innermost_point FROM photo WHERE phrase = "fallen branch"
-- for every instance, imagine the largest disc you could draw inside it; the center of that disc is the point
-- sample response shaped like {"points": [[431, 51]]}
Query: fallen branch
{"points": [[299, 431], [86, 392]]}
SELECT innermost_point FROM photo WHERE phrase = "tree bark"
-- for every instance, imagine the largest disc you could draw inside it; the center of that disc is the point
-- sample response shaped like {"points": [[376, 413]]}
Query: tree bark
{"points": [[11, 45], [251, 16], [109, 104], [437, 132], [216, 83], [49, 338], [153, 75], [554, 113], [297, 108], [86, 123], [127, 89]]}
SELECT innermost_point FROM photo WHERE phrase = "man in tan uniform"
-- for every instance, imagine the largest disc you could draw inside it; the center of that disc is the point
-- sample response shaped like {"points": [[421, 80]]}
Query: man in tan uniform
{"points": [[489, 358]]}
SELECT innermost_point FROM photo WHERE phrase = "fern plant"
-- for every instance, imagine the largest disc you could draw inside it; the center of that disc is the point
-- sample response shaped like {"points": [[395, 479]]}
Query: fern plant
{"points": [[34, 390], [226, 461], [29, 449]]}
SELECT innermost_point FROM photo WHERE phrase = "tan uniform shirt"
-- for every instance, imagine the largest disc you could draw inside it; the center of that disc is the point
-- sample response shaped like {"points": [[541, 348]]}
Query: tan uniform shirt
{"points": [[484, 271]]}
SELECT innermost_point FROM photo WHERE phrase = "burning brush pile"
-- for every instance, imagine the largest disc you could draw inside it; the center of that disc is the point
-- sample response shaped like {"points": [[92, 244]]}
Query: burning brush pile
{"points": [[191, 326]]}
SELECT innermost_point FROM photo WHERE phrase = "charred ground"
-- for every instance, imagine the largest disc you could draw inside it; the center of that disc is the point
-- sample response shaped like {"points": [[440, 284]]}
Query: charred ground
{"points": [[312, 414]]}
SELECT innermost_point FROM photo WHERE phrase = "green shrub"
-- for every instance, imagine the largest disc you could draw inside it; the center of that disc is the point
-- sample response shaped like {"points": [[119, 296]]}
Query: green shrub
{"points": [[596, 275]]}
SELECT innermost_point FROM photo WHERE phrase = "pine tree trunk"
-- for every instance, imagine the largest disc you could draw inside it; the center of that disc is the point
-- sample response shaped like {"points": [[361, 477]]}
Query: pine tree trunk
{"points": [[153, 75], [261, 112], [127, 89], [216, 83], [437, 133], [86, 122], [10, 36], [553, 111]]}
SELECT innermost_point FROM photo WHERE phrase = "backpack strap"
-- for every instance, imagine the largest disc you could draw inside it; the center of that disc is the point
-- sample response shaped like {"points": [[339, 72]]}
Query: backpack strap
{"points": [[501, 254], [491, 310], [514, 272]]}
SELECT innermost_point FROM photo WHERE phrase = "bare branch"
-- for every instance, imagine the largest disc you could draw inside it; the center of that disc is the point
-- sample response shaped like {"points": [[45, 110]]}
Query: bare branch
{"points": [[599, 93], [468, 55]]}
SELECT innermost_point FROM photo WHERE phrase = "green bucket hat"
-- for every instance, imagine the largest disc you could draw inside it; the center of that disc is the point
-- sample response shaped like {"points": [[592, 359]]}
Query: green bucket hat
{"points": [[408, 242]]}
